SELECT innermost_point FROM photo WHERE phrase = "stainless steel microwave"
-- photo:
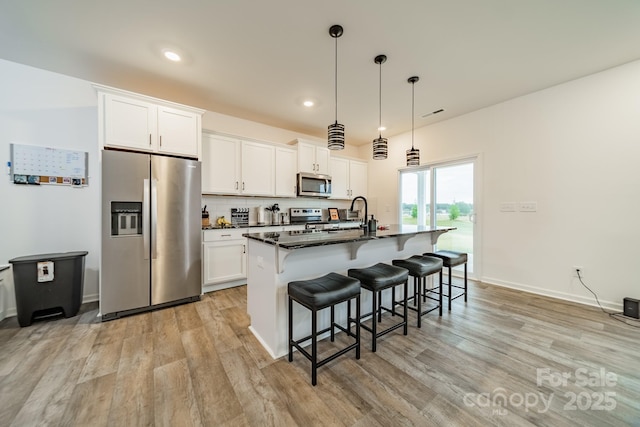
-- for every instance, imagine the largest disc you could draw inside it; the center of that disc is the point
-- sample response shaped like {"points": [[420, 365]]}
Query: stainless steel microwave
{"points": [[314, 185]]}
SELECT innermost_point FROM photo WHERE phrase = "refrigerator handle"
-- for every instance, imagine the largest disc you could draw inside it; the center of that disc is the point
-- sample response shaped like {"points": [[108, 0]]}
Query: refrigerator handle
{"points": [[145, 218], [154, 218]]}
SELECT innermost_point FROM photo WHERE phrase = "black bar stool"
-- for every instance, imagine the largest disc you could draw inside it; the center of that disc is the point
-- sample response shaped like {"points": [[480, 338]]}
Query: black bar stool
{"points": [[376, 279], [419, 268], [317, 294], [452, 259]]}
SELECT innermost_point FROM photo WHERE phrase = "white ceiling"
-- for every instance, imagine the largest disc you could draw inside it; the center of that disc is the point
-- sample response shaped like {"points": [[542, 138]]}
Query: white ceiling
{"points": [[258, 59]]}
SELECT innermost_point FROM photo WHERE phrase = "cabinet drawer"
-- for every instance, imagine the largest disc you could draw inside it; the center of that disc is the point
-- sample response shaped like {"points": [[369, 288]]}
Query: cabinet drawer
{"points": [[222, 235]]}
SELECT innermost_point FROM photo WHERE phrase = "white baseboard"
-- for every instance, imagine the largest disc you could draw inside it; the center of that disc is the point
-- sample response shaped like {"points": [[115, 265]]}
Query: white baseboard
{"points": [[221, 286], [554, 294]]}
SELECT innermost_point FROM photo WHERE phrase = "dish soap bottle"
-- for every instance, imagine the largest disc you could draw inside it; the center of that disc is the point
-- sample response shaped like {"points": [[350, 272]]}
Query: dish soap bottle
{"points": [[373, 224]]}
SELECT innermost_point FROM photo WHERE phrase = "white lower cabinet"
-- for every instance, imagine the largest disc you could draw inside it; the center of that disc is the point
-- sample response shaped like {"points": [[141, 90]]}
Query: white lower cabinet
{"points": [[224, 258]]}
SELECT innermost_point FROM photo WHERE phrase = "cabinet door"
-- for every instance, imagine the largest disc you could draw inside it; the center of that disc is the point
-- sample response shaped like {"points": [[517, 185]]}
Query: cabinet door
{"points": [[220, 165], [285, 172], [224, 261], [306, 158], [178, 132], [130, 123], [258, 162], [322, 160], [339, 178], [358, 180]]}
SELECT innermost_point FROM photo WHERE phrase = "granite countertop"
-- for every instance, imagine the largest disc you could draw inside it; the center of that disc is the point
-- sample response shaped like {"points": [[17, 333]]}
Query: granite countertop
{"points": [[216, 227], [308, 238]]}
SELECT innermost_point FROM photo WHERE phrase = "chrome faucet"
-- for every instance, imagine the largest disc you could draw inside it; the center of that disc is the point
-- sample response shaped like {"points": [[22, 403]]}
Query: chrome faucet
{"points": [[366, 213]]}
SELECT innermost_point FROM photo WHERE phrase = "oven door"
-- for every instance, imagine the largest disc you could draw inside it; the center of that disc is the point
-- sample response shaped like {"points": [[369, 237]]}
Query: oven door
{"points": [[311, 185]]}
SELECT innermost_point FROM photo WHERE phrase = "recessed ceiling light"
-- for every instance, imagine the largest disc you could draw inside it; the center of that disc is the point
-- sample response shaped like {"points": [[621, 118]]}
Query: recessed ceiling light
{"points": [[308, 103], [171, 55], [381, 128]]}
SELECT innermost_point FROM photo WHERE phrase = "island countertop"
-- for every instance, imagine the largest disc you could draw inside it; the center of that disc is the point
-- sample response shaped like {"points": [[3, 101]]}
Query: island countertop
{"points": [[309, 238]]}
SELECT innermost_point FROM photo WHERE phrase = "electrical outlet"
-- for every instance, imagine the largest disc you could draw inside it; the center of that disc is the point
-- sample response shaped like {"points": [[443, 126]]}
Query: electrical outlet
{"points": [[528, 206], [575, 269]]}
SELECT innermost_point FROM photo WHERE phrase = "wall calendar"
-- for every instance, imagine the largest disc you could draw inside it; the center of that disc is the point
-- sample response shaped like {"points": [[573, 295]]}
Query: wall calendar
{"points": [[36, 165]]}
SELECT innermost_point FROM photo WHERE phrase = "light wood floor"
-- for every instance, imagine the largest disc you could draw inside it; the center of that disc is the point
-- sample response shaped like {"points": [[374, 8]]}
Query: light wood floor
{"points": [[198, 364]]}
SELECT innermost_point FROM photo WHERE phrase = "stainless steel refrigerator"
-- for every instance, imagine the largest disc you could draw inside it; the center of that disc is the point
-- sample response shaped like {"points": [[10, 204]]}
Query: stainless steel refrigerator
{"points": [[151, 232]]}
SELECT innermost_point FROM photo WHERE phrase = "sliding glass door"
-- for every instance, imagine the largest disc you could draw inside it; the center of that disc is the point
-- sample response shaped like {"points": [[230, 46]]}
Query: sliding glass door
{"points": [[442, 195]]}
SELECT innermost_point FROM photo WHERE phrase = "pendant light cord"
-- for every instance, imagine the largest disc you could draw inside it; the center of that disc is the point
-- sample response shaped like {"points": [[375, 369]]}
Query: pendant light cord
{"points": [[336, 80], [380, 102], [413, 106]]}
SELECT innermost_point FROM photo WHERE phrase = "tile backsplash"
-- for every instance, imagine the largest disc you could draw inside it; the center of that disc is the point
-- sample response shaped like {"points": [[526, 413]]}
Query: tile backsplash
{"points": [[218, 206]]}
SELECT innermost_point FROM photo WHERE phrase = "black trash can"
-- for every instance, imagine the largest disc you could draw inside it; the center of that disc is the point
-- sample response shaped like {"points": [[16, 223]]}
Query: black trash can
{"points": [[47, 284]]}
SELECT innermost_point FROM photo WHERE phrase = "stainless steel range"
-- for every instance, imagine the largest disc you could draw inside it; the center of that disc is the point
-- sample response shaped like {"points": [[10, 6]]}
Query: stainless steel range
{"points": [[305, 215]]}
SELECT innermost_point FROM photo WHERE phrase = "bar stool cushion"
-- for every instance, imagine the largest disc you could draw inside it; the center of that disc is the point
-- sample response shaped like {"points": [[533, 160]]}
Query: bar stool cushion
{"points": [[420, 265], [324, 291], [379, 276], [449, 258]]}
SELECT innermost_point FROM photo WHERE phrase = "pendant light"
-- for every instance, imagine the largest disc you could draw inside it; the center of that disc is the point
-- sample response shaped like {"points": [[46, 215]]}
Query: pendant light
{"points": [[380, 147], [336, 130], [413, 155]]}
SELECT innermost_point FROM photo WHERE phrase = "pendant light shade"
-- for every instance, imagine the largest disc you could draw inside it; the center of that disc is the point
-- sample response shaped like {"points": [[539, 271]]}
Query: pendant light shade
{"points": [[380, 146], [413, 155], [336, 130]]}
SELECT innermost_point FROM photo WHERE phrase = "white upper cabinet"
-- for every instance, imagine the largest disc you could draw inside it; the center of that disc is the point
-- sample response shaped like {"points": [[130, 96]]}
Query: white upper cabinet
{"points": [[178, 131], [140, 123], [348, 178], [312, 158], [221, 165], [339, 178], [234, 166], [129, 123], [285, 172], [358, 178], [258, 164]]}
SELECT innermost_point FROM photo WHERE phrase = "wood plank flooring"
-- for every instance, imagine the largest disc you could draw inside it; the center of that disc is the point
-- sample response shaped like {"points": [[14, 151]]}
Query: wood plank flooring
{"points": [[506, 358]]}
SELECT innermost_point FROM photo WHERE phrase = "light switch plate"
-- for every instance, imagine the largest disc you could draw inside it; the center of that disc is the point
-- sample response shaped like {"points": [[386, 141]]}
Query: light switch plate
{"points": [[508, 207], [528, 206]]}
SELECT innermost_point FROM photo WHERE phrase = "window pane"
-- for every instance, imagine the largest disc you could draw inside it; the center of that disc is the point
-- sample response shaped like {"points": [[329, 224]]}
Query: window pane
{"points": [[454, 207], [409, 201], [414, 203]]}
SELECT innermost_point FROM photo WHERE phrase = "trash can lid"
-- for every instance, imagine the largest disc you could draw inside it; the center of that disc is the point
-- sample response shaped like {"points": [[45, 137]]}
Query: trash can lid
{"points": [[48, 257]]}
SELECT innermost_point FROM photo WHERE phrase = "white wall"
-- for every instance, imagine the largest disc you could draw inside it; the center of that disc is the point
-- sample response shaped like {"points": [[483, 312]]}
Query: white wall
{"points": [[573, 148], [46, 109]]}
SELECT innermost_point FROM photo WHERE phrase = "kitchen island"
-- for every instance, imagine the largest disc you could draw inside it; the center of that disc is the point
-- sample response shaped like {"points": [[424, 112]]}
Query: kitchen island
{"points": [[275, 259]]}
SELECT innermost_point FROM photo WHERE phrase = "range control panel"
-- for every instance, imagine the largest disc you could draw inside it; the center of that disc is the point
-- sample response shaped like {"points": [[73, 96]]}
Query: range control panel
{"points": [[304, 215]]}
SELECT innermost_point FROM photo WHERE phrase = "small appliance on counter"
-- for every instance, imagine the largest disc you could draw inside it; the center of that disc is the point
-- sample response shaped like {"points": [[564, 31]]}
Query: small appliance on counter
{"points": [[205, 217], [240, 216], [261, 216]]}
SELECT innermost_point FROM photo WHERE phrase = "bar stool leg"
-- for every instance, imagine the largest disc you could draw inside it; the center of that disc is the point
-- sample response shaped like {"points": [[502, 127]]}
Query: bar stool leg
{"points": [[314, 346], [333, 334], [374, 322], [419, 282], [449, 296], [465, 282], [357, 324], [440, 292], [393, 299], [405, 311], [290, 329]]}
